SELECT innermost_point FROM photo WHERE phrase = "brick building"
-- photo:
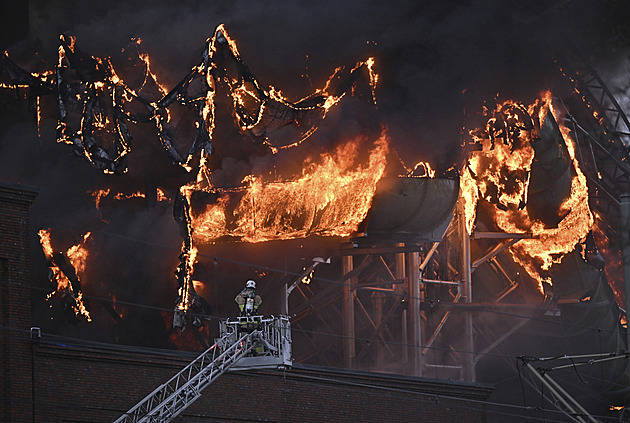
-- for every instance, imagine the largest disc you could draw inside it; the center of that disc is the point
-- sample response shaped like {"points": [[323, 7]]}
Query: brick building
{"points": [[16, 389], [48, 379]]}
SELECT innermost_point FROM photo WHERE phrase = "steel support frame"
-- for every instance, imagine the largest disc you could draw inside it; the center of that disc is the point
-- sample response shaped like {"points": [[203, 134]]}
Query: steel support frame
{"points": [[600, 140], [349, 297]]}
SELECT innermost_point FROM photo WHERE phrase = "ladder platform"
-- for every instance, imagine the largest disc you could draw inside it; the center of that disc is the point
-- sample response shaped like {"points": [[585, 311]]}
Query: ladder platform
{"points": [[271, 350]]}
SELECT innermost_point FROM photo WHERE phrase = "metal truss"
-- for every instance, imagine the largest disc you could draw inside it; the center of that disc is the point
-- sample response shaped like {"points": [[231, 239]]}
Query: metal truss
{"points": [[601, 131]]}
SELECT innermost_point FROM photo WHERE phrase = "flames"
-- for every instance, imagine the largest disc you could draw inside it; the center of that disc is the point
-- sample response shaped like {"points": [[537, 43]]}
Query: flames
{"points": [[500, 175], [331, 198], [99, 195], [420, 170], [65, 274]]}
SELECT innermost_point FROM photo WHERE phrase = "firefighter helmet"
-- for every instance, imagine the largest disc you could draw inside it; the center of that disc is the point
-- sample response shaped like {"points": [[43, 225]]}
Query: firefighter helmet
{"points": [[250, 284]]}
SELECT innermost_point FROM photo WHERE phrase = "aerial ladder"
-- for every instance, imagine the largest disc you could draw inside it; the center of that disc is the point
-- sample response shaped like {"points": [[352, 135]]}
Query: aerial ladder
{"points": [[247, 342]]}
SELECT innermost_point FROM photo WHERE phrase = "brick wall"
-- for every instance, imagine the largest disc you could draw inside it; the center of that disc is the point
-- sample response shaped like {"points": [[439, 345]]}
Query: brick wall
{"points": [[98, 384], [15, 304]]}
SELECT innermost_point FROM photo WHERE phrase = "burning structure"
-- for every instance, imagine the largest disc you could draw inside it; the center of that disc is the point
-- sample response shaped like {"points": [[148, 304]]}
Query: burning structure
{"points": [[432, 273]]}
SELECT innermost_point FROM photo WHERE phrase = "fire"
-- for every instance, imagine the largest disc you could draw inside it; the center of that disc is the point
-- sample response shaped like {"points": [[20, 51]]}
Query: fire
{"points": [[78, 254], [68, 289], [121, 196], [421, 170], [307, 279], [148, 74], [331, 198], [161, 195], [186, 289], [98, 195], [500, 175]]}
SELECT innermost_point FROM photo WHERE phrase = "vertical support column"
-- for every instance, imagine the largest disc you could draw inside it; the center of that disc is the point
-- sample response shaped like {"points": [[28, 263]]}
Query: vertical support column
{"points": [[405, 338], [416, 295], [349, 295], [625, 245], [400, 271], [401, 274], [378, 302], [468, 346], [284, 300]]}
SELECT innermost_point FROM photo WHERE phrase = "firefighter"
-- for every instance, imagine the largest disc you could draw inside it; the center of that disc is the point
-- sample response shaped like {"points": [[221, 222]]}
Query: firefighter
{"points": [[248, 301]]}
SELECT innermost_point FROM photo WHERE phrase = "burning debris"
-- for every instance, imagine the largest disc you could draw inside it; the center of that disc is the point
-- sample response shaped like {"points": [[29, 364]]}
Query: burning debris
{"points": [[98, 110], [523, 153], [63, 274]]}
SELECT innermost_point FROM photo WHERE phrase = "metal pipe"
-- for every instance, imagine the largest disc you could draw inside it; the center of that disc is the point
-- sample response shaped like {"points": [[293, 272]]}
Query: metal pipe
{"points": [[565, 393], [349, 295], [441, 282], [440, 325], [556, 394], [495, 251], [405, 353], [400, 270], [284, 300], [625, 243], [416, 296], [426, 260], [469, 362]]}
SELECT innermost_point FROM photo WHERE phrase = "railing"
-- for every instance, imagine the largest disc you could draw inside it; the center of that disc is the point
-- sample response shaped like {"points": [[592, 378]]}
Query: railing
{"points": [[274, 348]]}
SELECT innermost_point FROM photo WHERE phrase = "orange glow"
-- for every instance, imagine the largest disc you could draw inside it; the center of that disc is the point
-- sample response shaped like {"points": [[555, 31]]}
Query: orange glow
{"points": [[98, 195], [161, 195]]}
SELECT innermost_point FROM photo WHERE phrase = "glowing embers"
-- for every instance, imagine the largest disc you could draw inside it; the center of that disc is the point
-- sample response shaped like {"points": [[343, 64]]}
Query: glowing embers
{"points": [[64, 274], [331, 198], [529, 181]]}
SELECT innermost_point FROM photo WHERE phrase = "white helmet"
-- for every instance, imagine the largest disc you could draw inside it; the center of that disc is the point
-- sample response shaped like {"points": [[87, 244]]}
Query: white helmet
{"points": [[250, 284]]}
